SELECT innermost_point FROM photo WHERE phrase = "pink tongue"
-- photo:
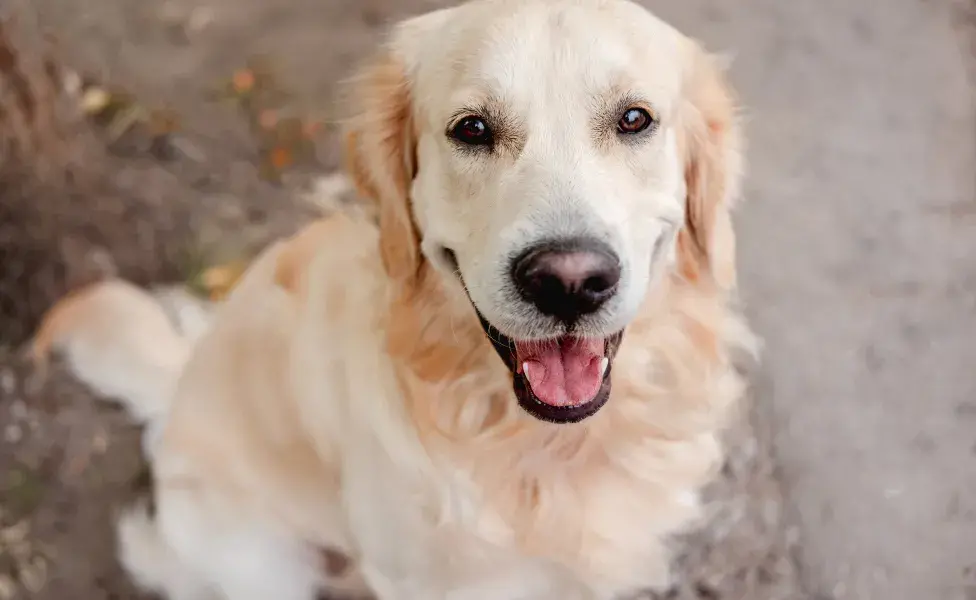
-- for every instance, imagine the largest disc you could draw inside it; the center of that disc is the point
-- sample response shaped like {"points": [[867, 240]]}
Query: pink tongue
{"points": [[563, 372]]}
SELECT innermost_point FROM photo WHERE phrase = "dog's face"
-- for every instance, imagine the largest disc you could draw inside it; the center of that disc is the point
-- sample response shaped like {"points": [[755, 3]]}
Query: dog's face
{"points": [[548, 156]]}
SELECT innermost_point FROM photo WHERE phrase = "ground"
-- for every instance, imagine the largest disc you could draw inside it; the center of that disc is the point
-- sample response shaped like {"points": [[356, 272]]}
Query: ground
{"points": [[853, 474]]}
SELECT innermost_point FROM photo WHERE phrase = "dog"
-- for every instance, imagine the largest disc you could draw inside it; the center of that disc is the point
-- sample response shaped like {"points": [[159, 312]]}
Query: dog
{"points": [[509, 384]]}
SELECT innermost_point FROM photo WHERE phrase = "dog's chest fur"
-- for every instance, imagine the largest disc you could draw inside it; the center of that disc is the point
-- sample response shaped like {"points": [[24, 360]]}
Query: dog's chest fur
{"points": [[590, 503], [587, 503]]}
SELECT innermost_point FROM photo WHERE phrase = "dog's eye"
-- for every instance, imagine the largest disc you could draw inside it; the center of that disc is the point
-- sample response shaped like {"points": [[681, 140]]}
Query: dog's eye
{"points": [[472, 131], [634, 120]]}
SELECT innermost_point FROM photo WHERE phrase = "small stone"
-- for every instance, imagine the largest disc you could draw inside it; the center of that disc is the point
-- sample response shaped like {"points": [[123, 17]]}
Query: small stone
{"points": [[8, 589], [18, 410], [200, 18], [34, 575], [100, 442], [12, 434], [72, 83], [8, 383], [15, 534]]}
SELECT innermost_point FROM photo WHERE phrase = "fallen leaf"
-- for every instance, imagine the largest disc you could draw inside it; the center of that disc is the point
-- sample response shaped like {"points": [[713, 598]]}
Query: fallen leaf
{"points": [[95, 100], [281, 157], [219, 280], [243, 80]]}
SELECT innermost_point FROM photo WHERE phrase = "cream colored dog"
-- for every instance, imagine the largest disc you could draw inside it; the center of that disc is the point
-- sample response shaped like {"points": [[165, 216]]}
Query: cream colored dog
{"points": [[512, 387]]}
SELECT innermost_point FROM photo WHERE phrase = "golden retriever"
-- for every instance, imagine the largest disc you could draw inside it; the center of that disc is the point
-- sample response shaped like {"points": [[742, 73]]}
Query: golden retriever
{"points": [[510, 386]]}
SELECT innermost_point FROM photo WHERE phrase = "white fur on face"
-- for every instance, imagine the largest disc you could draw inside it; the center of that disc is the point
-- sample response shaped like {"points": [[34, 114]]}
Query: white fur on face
{"points": [[552, 81]]}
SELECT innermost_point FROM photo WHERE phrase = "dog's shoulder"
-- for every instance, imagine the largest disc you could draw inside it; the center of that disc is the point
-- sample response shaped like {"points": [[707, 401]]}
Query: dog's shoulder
{"points": [[336, 244], [247, 385]]}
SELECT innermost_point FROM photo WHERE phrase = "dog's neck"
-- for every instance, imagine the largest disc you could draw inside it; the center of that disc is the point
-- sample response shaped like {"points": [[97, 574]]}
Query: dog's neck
{"points": [[431, 332]]}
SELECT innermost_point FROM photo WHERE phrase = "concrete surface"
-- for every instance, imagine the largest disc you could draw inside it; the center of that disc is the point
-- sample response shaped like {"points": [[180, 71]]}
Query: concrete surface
{"points": [[859, 266]]}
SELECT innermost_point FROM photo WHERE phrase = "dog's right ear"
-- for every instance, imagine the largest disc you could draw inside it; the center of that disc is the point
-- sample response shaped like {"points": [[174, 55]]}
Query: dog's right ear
{"points": [[379, 148], [380, 140]]}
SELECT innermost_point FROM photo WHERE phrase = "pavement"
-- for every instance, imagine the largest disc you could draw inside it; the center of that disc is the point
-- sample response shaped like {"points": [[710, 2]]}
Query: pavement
{"points": [[858, 242]]}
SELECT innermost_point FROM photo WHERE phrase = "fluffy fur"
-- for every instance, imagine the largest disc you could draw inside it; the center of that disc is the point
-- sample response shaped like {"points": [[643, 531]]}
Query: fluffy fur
{"points": [[345, 401]]}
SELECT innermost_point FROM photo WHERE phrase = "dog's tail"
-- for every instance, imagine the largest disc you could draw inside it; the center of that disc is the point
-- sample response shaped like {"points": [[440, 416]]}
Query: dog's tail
{"points": [[130, 345], [119, 341]]}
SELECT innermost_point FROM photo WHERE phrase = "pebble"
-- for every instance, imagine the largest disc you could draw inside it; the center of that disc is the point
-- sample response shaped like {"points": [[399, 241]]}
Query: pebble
{"points": [[18, 410], [8, 382], [13, 434], [8, 589]]}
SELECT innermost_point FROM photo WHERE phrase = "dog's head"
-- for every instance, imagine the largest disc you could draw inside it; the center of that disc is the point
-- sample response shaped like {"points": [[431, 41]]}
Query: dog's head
{"points": [[553, 159]]}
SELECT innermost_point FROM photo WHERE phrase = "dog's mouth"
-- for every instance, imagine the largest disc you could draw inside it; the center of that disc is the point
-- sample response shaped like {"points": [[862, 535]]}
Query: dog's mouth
{"points": [[561, 380], [564, 379]]}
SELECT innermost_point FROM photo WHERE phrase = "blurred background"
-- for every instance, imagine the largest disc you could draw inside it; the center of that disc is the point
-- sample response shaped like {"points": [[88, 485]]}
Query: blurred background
{"points": [[166, 140]]}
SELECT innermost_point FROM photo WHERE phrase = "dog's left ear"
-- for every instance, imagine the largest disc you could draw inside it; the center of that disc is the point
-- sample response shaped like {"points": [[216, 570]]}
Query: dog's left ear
{"points": [[711, 143]]}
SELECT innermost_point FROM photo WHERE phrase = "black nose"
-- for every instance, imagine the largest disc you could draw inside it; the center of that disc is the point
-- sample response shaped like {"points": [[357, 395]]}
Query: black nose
{"points": [[567, 279]]}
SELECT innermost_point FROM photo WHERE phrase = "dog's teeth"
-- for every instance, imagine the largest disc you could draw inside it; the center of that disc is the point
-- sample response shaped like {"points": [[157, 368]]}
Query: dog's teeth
{"points": [[525, 370], [604, 363]]}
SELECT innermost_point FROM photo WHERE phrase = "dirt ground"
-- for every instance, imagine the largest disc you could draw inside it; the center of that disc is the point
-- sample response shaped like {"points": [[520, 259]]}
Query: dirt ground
{"points": [[67, 462]]}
